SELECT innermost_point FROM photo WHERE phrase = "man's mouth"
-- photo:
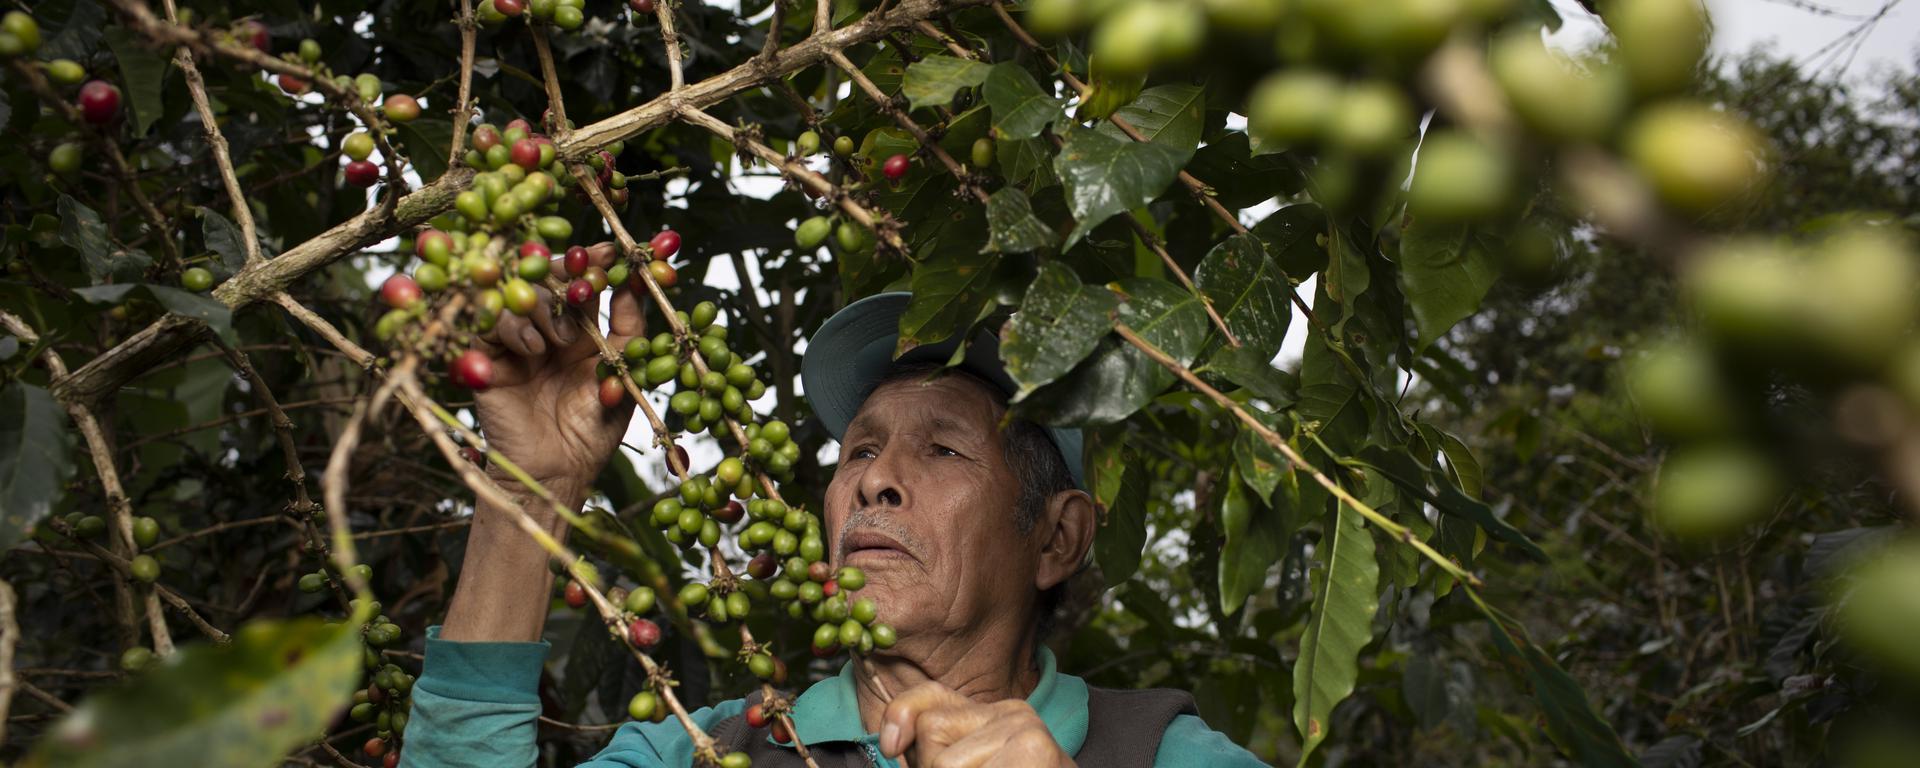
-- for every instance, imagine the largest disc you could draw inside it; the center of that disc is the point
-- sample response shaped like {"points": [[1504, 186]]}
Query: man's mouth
{"points": [[871, 545]]}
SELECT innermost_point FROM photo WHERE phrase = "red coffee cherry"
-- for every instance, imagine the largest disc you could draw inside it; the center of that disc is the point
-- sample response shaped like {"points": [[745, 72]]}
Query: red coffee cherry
{"points": [[255, 34], [485, 137], [895, 167], [293, 85], [731, 513], [391, 760], [576, 261], [575, 595], [400, 291], [665, 245], [374, 747], [401, 108], [362, 173], [473, 370], [509, 7], [641, 6], [763, 565], [99, 101], [644, 633], [578, 292], [830, 588], [612, 393], [526, 154], [757, 716]]}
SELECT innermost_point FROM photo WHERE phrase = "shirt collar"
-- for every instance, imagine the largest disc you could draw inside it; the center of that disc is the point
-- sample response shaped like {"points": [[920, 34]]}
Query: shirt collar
{"points": [[829, 711]]}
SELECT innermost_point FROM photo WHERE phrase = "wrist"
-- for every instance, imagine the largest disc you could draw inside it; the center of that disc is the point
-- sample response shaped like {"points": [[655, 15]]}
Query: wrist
{"points": [[570, 492]]}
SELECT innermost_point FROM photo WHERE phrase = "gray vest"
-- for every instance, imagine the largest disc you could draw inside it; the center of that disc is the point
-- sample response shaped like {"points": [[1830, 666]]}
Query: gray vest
{"points": [[1123, 731]]}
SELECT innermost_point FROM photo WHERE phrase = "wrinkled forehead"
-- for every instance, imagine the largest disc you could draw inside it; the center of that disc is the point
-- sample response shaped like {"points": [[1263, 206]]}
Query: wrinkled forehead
{"points": [[950, 402]]}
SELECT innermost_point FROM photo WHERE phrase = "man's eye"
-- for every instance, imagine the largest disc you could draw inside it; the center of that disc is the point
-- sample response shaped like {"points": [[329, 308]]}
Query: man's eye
{"points": [[864, 452], [942, 450]]}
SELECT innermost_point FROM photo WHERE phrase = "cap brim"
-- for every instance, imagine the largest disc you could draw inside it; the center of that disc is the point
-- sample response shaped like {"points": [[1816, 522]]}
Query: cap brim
{"points": [[854, 350]]}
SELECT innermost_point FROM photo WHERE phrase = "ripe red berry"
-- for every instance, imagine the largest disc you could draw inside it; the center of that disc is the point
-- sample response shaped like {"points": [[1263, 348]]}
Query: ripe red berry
{"points": [[391, 760], [762, 565], [779, 671], [641, 6], [400, 291], [575, 594], [895, 167], [509, 7], [485, 137], [819, 572], [376, 694], [526, 154], [680, 454], [530, 248], [578, 292], [831, 588], [612, 393], [473, 370], [99, 101], [430, 240], [644, 633], [374, 747], [757, 716], [293, 85], [780, 733], [665, 244], [522, 124], [731, 513], [255, 34], [473, 455], [362, 173], [576, 261]]}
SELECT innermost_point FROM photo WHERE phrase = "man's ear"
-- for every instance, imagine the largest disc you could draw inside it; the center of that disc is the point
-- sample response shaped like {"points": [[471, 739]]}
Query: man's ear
{"points": [[1068, 528]]}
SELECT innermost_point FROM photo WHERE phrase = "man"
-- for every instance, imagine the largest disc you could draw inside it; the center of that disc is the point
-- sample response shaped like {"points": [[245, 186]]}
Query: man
{"points": [[966, 531]]}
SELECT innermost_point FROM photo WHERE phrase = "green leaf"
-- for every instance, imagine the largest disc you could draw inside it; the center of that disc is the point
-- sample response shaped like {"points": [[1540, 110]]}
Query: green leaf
{"points": [[1263, 466], [1416, 478], [1571, 721], [1248, 292], [1340, 623], [1292, 235], [1106, 176], [1239, 180], [1011, 225], [949, 291], [1445, 271], [223, 237], [1170, 115], [1117, 379], [1121, 485], [34, 464], [1250, 369], [275, 687], [82, 230], [426, 142], [206, 309], [1021, 110], [935, 79], [1059, 323], [1026, 161], [1465, 468], [1255, 535], [144, 72], [1107, 93]]}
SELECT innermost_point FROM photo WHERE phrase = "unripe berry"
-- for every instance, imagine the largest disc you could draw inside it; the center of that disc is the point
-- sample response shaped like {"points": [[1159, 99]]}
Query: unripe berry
{"points": [[663, 273], [402, 108], [643, 705], [310, 50], [196, 279], [66, 71], [144, 568], [843, 146], [358, 145]]}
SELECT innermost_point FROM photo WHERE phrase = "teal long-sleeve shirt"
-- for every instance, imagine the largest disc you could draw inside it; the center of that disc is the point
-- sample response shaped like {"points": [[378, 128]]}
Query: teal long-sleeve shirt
{"points": [[477, 704]]}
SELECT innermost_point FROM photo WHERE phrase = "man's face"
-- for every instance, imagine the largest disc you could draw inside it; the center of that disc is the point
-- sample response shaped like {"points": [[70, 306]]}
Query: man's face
{"points": [[923, 502]]}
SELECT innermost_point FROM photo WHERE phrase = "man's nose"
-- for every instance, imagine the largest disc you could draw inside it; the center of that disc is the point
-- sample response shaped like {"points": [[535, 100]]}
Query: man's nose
{"points": [[880, 485]]}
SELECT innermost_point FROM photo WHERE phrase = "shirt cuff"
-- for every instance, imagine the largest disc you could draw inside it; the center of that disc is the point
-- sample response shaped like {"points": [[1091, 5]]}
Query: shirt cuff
{"points": [[505, 673]]}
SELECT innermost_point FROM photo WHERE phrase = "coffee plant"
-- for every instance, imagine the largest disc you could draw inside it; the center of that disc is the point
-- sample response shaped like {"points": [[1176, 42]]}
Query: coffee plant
{"points": [[254, 253]]}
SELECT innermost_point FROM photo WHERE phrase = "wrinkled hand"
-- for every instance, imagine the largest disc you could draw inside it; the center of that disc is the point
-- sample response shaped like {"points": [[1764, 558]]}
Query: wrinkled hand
{"points": [[543, 410], [946, 730]]}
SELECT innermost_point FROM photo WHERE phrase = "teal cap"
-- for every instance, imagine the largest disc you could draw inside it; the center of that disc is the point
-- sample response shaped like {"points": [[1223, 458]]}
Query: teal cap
{"points": [[854, 350]]}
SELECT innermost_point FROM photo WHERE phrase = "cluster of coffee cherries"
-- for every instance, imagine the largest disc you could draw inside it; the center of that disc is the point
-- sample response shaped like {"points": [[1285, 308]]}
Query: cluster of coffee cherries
{"points": [[567, 15], [388, 697], [399, 107], [93, 527], [98, 101]]}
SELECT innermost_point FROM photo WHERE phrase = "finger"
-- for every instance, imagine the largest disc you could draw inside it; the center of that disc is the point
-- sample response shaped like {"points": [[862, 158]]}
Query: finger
{"points": [[626, 318], [901, 723], [561, 332], [975, 749], [518, 335], [602, 254]]}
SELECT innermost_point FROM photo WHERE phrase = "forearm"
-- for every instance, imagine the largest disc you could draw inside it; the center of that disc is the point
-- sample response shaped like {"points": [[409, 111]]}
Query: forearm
{"points": [[505, 585]]}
